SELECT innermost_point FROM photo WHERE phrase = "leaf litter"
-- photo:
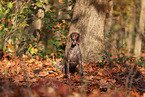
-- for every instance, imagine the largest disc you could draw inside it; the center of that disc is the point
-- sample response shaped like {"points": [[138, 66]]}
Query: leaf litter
{"points": [[38, 77]]}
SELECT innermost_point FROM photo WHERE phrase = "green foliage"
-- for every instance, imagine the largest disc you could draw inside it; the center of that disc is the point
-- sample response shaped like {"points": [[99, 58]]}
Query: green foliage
{"points": [[56, 30], [10, 5], [14, 18], [141, 62], [38, 3], [32, 50]]}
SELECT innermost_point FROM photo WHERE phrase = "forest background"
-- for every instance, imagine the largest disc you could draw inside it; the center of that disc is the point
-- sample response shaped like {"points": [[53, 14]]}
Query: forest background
{"points": [[33, 38]]}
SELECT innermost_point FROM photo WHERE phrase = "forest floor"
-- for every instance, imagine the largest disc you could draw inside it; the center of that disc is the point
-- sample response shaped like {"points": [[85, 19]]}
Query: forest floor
{"points": [[36, 77]]}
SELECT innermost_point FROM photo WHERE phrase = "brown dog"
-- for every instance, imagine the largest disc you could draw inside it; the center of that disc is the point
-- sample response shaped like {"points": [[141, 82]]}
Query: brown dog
{"points": [[73, 57]]}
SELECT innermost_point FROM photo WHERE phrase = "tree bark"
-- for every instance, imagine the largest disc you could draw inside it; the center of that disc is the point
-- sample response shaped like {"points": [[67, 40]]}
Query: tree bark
{"points": [[64, 15], [131, 31], [88, 20], [138, 39], [109, 20]]}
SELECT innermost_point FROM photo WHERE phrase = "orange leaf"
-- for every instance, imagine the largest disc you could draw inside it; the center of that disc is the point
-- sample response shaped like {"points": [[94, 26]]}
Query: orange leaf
{"points": [[30, 45], [143, 55], [52, 54], [11, 47], [61, 1]]}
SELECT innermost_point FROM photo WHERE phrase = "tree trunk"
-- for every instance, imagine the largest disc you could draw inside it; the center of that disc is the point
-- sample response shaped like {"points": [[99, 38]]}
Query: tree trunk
{"points": [[131, 31], [109, 20], [64, 15], [88, 20], [138, 39]]}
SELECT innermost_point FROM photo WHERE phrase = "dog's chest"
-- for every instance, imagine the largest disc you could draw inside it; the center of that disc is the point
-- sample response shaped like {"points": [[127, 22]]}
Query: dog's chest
{"points": [[72, 54]]}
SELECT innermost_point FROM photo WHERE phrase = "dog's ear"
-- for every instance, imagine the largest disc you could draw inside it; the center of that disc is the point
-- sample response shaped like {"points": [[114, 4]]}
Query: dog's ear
{"points": [[69, 37], [79, 38]]}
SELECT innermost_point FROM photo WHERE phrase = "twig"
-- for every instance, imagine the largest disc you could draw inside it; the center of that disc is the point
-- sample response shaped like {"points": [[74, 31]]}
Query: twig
{"points": [[27, 78], [127, 80], [49, 59], [131, 80], [11, 31]]}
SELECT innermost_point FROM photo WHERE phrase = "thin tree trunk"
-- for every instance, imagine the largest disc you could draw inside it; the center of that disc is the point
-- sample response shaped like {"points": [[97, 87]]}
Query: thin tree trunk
{"points": [[109, 21], [131, 31], [108, 42], [61, 14], [138, 39]]}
